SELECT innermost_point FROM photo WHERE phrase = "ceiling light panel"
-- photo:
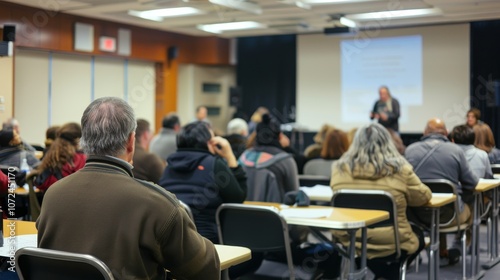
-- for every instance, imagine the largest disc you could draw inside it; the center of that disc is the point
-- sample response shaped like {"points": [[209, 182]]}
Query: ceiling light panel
{"points": [[218, 28], [159, 14]]}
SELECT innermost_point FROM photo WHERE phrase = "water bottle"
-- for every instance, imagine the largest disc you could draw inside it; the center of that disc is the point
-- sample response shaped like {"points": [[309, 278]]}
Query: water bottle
{"points": [[25, 168]]}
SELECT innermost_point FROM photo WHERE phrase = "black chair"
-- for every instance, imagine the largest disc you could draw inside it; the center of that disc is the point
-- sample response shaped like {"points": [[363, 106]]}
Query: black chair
{"points": [[495, 168], [259, 228], [446, 186], [374, 200], [313, 180], [43, 264]]}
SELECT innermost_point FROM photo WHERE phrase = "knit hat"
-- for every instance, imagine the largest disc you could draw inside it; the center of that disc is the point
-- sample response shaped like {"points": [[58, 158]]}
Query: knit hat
{"points": [[268, 131], [5, 137]]}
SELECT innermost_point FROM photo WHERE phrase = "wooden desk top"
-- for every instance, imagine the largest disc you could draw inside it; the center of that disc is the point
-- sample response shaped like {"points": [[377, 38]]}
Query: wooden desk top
{"points": [[487, 184], [21, 227], [232, 255], [340, 218], [228, 255], [440, 199]]}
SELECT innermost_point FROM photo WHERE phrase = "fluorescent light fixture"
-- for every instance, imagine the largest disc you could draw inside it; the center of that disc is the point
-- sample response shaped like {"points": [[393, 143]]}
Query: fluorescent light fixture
{"points": [[334, 1], [347, 22], [159, 14], [229, 26], [395, 14], [239, 5]]}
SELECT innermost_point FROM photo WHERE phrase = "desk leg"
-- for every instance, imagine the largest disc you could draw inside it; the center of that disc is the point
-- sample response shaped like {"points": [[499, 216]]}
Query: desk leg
{"points": [[433, 270], [493, 232], [363, 267], [353, 273], [475, 273]]}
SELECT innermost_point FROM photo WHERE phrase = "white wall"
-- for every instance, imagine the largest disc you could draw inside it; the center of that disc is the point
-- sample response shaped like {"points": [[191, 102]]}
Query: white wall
{"points": [[53, 89], [190, 94], [6, 87], [445, 77]]}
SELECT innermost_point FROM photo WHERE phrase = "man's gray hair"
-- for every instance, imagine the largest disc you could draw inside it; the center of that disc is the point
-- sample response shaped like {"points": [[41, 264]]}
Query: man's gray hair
{"points": [[372, 146], [106, 126], [237, 126]]}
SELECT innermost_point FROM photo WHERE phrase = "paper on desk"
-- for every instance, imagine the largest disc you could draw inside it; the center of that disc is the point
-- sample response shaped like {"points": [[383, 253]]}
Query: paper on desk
{"points": [[318, 190], [309, 213], [491, 181], [442, 194], [18, 242]]}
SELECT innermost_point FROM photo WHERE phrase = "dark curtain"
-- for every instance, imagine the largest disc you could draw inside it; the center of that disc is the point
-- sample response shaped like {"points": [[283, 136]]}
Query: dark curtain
{"points": [[266, 75], [485, 70]]}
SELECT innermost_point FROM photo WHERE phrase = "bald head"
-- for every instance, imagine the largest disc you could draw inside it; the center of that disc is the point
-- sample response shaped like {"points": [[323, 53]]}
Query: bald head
{"points": [[435, 125]]}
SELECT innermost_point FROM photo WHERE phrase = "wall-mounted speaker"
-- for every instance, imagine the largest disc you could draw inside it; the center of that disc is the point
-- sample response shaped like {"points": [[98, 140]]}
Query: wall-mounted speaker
{"points": [[235, 96], [9, 33], [173, 52]]}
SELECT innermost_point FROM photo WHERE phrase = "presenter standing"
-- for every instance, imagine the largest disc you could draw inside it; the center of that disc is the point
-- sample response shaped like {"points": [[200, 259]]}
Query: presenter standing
{"points": [[386, 110]]}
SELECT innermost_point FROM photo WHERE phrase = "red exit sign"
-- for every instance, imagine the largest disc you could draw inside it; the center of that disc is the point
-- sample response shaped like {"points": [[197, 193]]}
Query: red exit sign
{"points": [[107, 44]]}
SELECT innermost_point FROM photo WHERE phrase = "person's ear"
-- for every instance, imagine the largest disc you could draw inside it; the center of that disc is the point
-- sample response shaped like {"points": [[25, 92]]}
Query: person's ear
{"points": [[131, 143]]}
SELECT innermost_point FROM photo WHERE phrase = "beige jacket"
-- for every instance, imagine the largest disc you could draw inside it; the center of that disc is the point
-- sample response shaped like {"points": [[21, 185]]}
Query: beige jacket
{"points": [[407, 190]]}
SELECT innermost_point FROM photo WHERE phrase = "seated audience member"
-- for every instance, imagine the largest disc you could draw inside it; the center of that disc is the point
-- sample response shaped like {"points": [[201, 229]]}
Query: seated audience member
{"points": [[63, 158], [464, 137], [314, 150], [473, 117], [204, 173], [398, 142], [373, 162], [165, 143], [334, 145], [269, 151], [147, 166], [13, 124], [4, 184], [435, 157], [103, 204], [50, 136], [11, 150], [486, 142], [256, 118], [237, 132]]}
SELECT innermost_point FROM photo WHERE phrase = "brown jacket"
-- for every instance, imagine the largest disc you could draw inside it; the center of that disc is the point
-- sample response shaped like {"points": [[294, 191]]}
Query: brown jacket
{"points": [[407, 190], [138, 229]]}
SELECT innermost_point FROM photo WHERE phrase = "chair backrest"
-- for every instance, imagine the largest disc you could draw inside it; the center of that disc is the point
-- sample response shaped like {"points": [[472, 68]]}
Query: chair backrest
{"points": [[370, 200], [495, 168], [319, 166], [259, 228], [313, 180], [445, 186], [41, 264]]}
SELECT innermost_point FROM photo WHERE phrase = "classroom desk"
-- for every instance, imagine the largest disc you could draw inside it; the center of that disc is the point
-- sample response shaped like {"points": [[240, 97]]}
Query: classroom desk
{"points": [[324, 194], [346, 219], [484, 185], [437, 201], [228, 255]]}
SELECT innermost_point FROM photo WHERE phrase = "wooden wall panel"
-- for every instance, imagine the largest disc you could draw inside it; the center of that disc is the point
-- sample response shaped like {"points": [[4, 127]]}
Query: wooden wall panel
{"points": [[43, 29]]}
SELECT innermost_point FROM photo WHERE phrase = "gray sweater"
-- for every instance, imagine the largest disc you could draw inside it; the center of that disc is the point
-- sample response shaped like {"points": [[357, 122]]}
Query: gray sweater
{"points": [[447, 161]]}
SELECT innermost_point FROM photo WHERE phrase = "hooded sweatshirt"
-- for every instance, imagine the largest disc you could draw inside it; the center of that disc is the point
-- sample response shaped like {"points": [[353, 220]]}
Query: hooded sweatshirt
{"points": [[203, 181]]}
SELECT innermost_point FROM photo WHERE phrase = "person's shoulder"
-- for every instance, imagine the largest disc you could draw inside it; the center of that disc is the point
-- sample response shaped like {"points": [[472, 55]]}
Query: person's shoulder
{"points": [[152, 189]]}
